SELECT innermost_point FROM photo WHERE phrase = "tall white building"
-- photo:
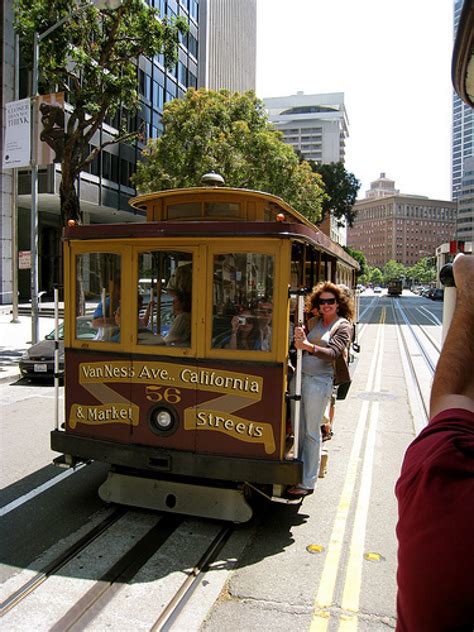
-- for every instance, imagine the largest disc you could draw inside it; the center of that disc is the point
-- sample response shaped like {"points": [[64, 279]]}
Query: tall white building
{"points": [[227, 44], [315, 124]]}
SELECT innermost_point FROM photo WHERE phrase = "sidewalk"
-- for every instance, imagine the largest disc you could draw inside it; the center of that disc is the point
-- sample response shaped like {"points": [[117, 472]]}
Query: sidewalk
{"points": [[14, 339]]}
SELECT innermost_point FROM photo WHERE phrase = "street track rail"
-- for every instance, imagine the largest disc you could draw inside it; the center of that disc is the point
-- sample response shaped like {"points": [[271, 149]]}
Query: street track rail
{"points": [[421, 347], [400, 318], [177, 604], [423, 329], [54, 566], [121, 573]]}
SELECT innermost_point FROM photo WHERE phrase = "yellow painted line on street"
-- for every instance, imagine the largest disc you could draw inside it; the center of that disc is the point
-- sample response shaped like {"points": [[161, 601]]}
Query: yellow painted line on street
{"points": [[351, 594], [370, 556], [352, 586], [325, 594], [327, 584]]}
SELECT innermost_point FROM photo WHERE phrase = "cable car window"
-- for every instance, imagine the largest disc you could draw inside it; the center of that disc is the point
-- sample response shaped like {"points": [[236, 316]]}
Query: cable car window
{"points": [[243, 301], [164, 298], [221, 209], [270, 212], [189, 209], [98, 294]]}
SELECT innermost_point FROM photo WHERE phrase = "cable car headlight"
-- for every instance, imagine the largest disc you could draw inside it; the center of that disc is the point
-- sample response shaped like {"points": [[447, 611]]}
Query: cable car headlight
{"points": [[163, 420]]}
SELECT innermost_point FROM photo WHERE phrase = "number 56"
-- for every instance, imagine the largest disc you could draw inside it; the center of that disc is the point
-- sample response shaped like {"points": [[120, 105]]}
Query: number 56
{"points": [[157, 394]]}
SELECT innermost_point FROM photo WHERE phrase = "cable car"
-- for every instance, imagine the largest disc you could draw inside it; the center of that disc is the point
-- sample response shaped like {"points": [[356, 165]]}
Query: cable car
{"points": [[395, 287], [184, 390]]}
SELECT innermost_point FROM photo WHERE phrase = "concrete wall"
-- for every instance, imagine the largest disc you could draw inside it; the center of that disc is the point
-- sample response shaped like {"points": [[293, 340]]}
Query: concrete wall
{"points": [[7, 44]]}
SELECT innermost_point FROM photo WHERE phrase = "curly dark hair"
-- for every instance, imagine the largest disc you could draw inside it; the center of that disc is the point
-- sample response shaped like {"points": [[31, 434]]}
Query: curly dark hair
{"points": [[345, 304]]}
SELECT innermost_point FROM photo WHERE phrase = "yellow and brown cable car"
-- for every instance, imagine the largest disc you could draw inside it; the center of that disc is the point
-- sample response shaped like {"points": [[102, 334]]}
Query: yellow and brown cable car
{"points": [[182, 387]]}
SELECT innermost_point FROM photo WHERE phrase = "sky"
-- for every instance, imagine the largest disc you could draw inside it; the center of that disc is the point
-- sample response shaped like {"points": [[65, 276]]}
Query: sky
{"points": [[392, 60]]}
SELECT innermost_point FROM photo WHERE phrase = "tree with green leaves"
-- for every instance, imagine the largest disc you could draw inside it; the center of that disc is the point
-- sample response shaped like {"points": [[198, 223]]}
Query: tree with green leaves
{"points": [[228, 133], [359, 256], [92, 57], [424, 271], [393, 270], [375, 276], [341, 188]]}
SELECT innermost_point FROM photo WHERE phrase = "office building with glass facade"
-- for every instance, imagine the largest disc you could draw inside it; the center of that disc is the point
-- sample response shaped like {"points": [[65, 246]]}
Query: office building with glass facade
{"points": [[104, 190], [462, 146]]}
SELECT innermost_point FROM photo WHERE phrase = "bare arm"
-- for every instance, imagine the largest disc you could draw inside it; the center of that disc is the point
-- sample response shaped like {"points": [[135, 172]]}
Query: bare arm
{"points": [[453, 385], [337, 343], [146, 316], [232, 344], [103, 321]]}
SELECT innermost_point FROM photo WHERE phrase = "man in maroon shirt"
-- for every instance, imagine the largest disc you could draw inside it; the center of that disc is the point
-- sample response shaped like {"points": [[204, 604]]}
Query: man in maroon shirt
{"points": [[435, 490]]}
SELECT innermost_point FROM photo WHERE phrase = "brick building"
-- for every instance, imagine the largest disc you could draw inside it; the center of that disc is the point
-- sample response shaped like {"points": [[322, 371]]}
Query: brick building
{"points": [[393, 225]]}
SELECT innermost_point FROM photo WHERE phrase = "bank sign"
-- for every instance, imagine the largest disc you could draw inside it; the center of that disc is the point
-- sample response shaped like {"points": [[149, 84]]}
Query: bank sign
{"points": [[16, 151]]}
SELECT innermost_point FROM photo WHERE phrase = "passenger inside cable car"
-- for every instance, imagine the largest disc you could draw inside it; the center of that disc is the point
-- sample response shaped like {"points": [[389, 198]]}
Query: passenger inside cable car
{"points": [[265, 314], [179, 333], [242, 299], [244, 334]]}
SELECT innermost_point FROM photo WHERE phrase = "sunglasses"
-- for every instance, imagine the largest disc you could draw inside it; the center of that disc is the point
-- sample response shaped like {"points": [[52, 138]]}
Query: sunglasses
{"points": [[325, 301], [265, 311]]}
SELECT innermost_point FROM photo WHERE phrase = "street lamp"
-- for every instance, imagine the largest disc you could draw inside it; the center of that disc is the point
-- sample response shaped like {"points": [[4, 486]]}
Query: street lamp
{"points": [[37, 39]]}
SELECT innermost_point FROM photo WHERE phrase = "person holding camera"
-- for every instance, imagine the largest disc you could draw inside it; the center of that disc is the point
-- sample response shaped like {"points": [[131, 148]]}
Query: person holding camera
{"points": [[435, 490], [244, 334]]}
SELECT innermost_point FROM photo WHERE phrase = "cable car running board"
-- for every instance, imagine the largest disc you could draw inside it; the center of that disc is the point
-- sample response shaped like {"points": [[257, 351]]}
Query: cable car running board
{"points": [[276, 499], [220, 503]]}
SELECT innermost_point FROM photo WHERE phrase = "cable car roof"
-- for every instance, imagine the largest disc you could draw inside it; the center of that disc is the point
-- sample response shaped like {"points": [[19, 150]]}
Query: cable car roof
{"points": [[145, 201]]}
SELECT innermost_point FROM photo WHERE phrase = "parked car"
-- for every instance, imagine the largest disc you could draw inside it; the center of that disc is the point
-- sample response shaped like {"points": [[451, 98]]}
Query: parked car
{"points": [[38, 360], [437, 294], [377, 289]]}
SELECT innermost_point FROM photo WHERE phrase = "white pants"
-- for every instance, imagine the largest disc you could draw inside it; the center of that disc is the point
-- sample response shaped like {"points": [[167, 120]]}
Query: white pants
{"points": [[315, 395]]}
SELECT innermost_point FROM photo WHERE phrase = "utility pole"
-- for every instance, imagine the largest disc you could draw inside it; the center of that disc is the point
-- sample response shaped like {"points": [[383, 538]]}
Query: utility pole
{"points": [[34, 197]]}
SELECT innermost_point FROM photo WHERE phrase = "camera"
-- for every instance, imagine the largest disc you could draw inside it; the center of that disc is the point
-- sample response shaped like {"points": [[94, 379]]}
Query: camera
{"points": [[242, 320]]}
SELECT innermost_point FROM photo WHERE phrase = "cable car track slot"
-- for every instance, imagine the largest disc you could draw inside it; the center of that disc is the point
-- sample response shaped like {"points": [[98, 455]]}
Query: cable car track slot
{"points": [[176, 605], [113, 580], [61, 561]]}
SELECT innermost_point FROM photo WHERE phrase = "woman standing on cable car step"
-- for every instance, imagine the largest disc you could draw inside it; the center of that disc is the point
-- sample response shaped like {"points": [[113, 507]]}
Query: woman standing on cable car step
{"points": [[327, 341]]}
